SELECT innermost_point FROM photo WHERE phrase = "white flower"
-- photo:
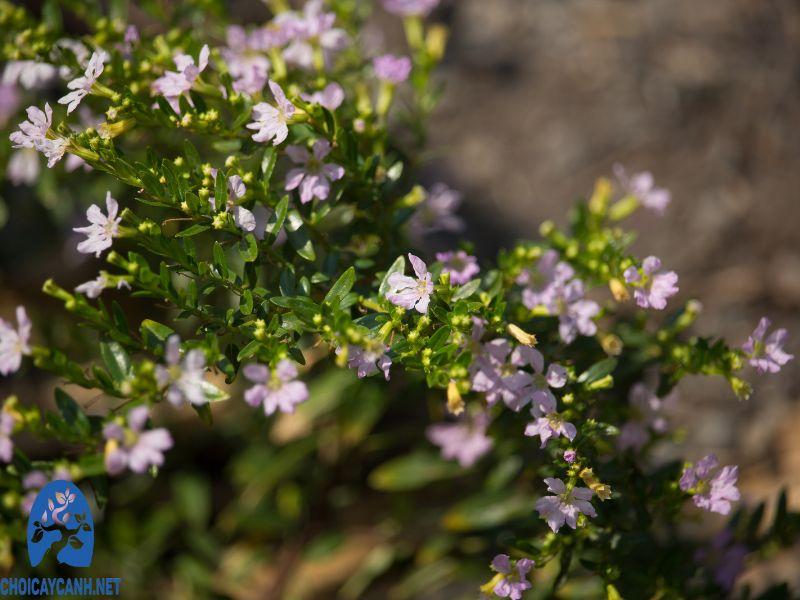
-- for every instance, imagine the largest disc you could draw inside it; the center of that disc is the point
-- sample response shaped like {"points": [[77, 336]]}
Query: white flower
{"points": [[102, 228], [14, 342], [408, 292], [33, 134], [271, 121], [23, 167], [95, 287], [82, 85], [29, 74]]}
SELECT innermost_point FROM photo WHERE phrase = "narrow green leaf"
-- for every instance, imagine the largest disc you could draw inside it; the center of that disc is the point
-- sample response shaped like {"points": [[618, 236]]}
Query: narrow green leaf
{"points": [[342, 286]]}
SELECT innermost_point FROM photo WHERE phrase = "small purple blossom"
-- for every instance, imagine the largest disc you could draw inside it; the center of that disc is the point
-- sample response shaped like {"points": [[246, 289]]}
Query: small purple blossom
{"points": [[174, 84], [725, 557], [464, 440], [275, 390], [183, 381], [132, 447], [7, 423], [315, 176], [409, 292], [410, 8], [311, 29], [767, 356], [330, 97], [81, 86], [436, 213], [512, 585], [565, 505], [642, 187], [647, 414], [392, 69], [368, 361], [652, 289], [248, 66], [272, 121], [570, 455], [548, 423], [461, 266], [9, 101], [102, 229], [713, 493], [14, 343]]}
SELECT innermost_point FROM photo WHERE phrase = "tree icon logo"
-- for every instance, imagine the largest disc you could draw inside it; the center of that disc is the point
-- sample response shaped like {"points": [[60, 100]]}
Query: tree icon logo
{"points": [[61, 525]]}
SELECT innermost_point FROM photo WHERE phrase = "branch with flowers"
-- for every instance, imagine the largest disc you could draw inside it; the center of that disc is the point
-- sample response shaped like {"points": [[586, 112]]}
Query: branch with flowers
{"points": [[262, 189]]}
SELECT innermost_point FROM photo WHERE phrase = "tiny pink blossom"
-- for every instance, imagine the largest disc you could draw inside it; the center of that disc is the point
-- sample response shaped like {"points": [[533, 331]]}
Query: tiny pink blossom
{"points": [[713, 493], [14, 343], [642, 187], [368, 361], [392, 69], [271, 122], [95, 287], [276, 390], [570, 455], [548, 423], [330, 97], [409, 292], [513, 584], [246, 63], [564, 506], [464, 440], [461, 267], [183, 380], [174, 84], [436, 212], [767, 355], [81, 86], [102, 229], [315, 176], [23, 167], [652, 289], [410, 8], [132, 447], [7, 423]]}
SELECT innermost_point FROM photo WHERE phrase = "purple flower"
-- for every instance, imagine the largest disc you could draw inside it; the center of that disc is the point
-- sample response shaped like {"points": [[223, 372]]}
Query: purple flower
{"points": [[7, 423], [184, 381], [173, 84], [330, 97], [276, 390], [272, 121], [368, 361], [392, 69], [548, 422], [9, 101], [512, 585], [570, 455], [464, 440], [647, 414], [716, 493], [23, 167], [461, 266], [315, 176], [767, 356], [82, 85], [652, 289], [554, 287], [309, 30], [95, 287], [725, 557], [409, 292], [102, 229], [14, 342], [410, 8], [248, 67], [642, 187], [436, 212], [131, 446], [565, 505]]}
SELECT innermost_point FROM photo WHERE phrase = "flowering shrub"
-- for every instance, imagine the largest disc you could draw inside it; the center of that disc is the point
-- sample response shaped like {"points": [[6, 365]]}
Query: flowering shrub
{"points": [[263, 188]]}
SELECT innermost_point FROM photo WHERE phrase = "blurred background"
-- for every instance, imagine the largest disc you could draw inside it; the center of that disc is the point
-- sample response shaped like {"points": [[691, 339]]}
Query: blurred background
{"points": [[541, 97]]}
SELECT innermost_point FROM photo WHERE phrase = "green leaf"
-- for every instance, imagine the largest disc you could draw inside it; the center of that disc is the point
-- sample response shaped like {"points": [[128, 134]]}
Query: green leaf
{"points": [[155, 334], [267, 166], [598, 371], [248, 248], [342, 286], [246, 302], [298, 236], [249, 350], [398, 266], [195, 229], [486, 511], [219, 260], [116, 360], [412, 472], [72, 413], [220, 191], [466, 290], [278, 217]]}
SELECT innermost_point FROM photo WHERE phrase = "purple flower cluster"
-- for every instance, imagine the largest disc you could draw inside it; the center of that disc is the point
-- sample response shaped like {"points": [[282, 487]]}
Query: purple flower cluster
{"points": [[713, 493], [553, 286], [131, 446], [652, 289], [245, 59], [464, 440], [513, 583], [313, 28], [767, 355], [459, 265], [565, 505]]}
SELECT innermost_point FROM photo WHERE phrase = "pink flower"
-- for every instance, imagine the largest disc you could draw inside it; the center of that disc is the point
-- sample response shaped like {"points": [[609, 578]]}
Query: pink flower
{"points": [[184, 380], [132, 447], [647, 414], [23, 167], [464, 440], [548, 422], [652, 289], [642, 187], [102, 229], [565, 505], [14, 342], [9, 101], [173, 84], [570, 455], [716, 493], [309, 30], [392, 69], [436, 212], [330, 97], [248, 66], [276, 390], [461, 266], [272, 121], [512, 585], [82, 85], [7, 423], [409, 292], [410, 8], [315, 176], [767, 356], [368, 361]]}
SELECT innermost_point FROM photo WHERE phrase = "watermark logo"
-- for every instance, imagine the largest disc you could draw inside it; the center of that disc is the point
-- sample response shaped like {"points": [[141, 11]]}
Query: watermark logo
{"points": [[61, 525]]}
